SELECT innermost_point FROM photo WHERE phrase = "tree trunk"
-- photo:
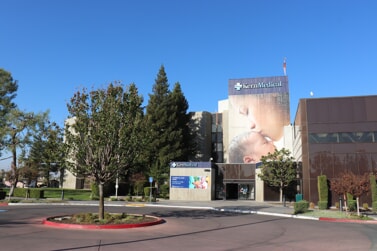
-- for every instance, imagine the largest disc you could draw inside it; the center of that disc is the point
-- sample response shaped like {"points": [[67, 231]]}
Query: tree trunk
{"points": [[101, 207], [357, 206], [281, 195], [14, 173], [345, 202]]}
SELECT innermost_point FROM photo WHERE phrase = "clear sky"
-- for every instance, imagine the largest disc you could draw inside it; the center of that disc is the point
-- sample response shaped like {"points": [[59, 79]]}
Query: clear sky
{"points": [[54, 47]]}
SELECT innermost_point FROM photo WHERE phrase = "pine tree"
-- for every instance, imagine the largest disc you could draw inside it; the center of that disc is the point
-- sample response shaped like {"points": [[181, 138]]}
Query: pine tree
{"points": [[185, 144], [158, 119], [169, 133]]}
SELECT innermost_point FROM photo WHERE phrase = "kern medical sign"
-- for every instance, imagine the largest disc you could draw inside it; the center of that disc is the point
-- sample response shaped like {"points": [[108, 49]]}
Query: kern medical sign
{"points": [[246, 86]]}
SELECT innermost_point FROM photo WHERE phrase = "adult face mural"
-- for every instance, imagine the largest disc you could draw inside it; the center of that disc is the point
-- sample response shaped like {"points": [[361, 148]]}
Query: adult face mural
{"points": [[259, 105]]}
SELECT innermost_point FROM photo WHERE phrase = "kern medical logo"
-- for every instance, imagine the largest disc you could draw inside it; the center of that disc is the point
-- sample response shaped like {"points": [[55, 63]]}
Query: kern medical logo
{"points": [[245, 86], [238, 86]]}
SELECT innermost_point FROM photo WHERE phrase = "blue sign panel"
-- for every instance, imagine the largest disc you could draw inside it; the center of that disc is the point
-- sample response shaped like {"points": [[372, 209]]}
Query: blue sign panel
{"points": [[179, 181]]}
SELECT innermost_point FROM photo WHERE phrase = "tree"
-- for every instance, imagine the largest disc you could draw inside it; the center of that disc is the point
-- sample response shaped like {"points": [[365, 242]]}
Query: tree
{"points": [[8, 91], [46, 152], [168, 127], [19, 131], [103, 136], [353, 184], [278, 169], [181, 118]]}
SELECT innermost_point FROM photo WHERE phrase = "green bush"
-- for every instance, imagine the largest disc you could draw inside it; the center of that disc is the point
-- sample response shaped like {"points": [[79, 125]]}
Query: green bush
{"points": [[322, 205], [35, 193], [164, 191], [374, 206], [95, 191], [301, 207], [373, 187], [351, 205], [147, 192], [365, 206], [323, 190]]}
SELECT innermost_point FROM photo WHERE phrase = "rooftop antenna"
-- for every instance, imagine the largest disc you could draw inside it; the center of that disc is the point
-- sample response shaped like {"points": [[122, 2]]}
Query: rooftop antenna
{"points": [[285, 66]]}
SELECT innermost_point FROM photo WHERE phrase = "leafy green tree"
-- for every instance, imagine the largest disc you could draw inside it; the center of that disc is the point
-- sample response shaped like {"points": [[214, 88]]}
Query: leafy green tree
{"points": [[278, 169], [103, 137], [21, 126], [8, 91]]}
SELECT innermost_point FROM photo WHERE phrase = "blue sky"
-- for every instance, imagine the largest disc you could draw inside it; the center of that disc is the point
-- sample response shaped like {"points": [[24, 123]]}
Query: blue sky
{"points": [[54, 47]]}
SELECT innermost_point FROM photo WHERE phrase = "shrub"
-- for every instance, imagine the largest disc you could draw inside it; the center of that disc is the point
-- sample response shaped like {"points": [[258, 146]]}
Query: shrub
{"points": [[322, 205], [147, 192], [337, 205], [351, 205], [323, 191], [29, 193], [301, 207], [95, 191], [312, 205], [365, 206], [373, 187], [374, 206], [164, 191]]}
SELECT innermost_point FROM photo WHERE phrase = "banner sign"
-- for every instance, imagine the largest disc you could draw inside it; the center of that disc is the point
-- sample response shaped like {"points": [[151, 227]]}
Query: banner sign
{"points": [[191, 182]]}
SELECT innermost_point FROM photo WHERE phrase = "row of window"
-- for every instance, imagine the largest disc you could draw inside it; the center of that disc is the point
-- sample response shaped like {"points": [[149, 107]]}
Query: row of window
{"points": [[343, 137]]}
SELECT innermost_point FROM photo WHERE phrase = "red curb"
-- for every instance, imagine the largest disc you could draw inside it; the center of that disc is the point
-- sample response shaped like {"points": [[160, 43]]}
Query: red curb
{"points": [[3, 204], [95, 226], [348, 220]]}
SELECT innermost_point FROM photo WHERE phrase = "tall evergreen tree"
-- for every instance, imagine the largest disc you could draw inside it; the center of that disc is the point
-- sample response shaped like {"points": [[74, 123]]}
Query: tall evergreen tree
{"points": [[159, 127], [181, 118]]}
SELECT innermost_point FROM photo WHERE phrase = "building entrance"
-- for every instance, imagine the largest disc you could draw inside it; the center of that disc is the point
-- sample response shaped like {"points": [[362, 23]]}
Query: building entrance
{"points": [[240, 191]]}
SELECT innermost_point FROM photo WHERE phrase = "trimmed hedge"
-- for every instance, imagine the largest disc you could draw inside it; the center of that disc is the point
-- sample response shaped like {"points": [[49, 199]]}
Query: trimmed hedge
{"points": [[323, 190], [322, 205], [374, 206], [35, 193], [373, 187], [301, 207]]}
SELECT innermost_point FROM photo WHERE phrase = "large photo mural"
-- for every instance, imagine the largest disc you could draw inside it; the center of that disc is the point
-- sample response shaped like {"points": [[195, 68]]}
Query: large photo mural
{"points": [[258, 112]]}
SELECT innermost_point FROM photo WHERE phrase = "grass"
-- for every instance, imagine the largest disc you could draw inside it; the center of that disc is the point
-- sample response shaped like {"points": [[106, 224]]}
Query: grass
{"points": [[56, 193], [92, 218], [336, 214], [70, 194]]}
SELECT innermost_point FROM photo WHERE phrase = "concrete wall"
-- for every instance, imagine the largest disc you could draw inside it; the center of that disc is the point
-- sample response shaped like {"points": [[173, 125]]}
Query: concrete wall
{"points": [[193, 193]]}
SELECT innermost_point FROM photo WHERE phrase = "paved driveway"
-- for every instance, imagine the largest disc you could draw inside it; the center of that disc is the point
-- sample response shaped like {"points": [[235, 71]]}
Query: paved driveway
{"points": [[184, 229]]}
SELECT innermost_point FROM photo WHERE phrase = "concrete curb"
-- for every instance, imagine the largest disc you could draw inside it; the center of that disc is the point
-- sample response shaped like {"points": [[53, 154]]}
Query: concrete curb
{"points": [[48, 222]]}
